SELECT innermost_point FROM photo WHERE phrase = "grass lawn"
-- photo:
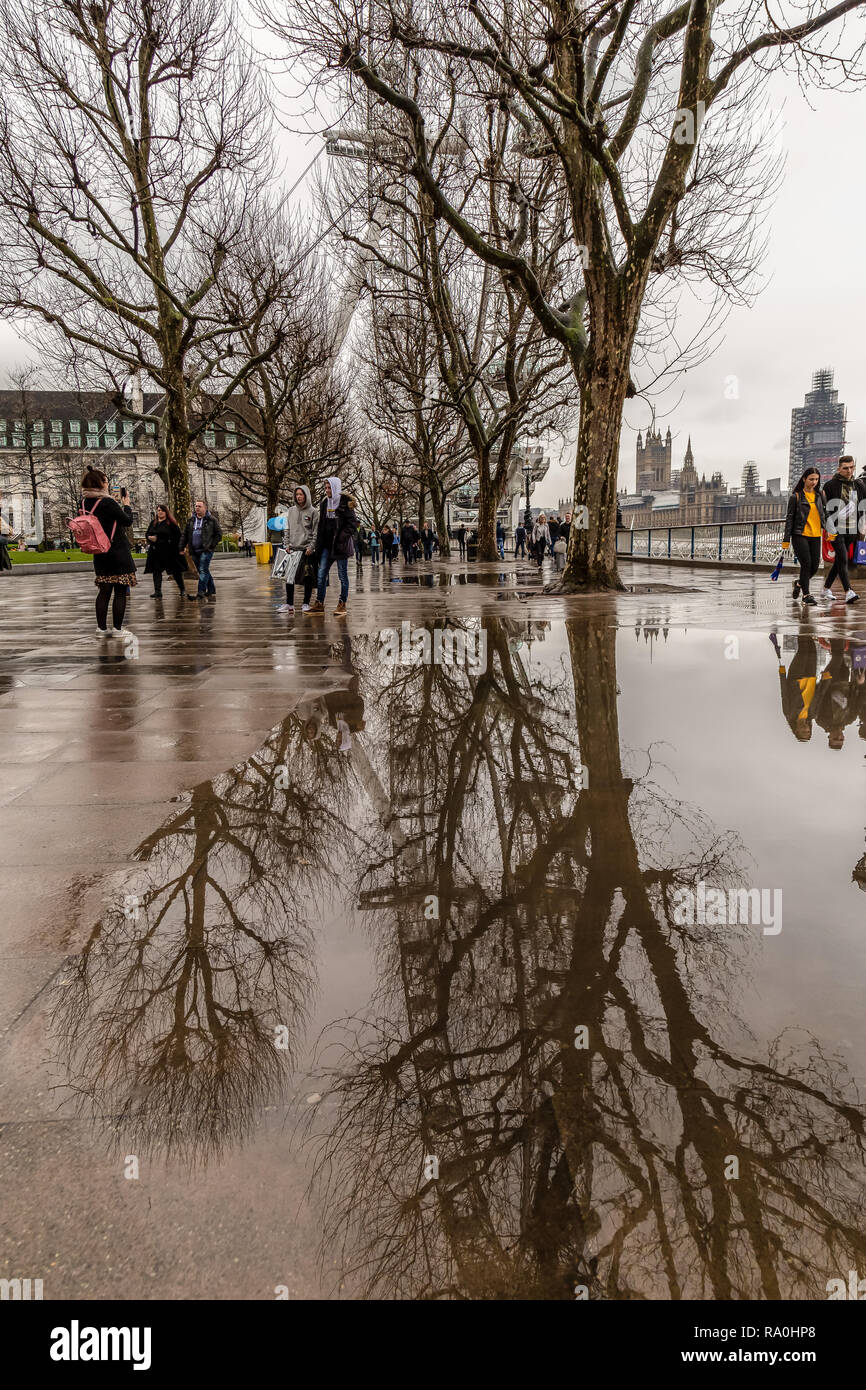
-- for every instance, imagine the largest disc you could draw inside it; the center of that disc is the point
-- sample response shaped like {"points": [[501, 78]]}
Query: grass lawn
{"points": [[43, 557]]}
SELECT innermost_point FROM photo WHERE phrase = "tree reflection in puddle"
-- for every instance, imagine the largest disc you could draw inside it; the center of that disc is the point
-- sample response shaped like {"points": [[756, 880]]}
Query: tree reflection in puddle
{"points": [[608, 1167], [519, 876]]}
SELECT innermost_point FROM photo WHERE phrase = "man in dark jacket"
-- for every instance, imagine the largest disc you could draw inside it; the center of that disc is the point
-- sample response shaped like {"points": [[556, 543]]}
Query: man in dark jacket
{"points": [[202, 535], [520, 540], [338, 523], [843, 495], [408, 537]]}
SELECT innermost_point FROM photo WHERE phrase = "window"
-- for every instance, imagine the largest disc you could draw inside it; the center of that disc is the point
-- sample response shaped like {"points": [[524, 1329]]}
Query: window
{"points": [[127, 439], [209, 439], [2, 426], [150, 427], [39, 426], [111, 427], [57, 441], [93, 427], [74, 426], [231, 441], [93, 441], [75, 441]]}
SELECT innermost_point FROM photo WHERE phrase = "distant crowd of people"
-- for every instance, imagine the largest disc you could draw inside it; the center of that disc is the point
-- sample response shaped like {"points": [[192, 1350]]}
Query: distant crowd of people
{"points": [[319, 536], [546, 536]]}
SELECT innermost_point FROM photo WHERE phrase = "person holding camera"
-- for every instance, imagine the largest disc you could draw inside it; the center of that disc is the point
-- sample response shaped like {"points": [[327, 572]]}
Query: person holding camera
{"points": [[114, 568]]}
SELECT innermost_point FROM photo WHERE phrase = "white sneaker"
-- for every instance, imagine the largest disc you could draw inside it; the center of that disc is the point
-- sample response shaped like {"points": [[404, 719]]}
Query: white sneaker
{"points": [[305, 608], [102, 632], [827, 595], [852, 596], [286, 608], [123, 633]]}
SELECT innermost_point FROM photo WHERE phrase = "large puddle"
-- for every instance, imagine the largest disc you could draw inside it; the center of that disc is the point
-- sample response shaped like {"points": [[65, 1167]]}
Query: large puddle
{"points": [[537, 953]]}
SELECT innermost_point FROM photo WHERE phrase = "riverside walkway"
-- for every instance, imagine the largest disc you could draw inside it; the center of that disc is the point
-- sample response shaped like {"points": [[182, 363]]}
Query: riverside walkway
{"points": [[285, 915]]}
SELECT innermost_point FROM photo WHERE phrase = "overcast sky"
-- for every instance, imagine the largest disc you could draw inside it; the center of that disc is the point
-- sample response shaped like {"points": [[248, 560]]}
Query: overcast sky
{"points": [[809, 313]]}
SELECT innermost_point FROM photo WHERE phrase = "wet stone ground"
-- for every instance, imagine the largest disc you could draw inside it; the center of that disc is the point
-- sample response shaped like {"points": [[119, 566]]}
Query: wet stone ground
{"points": [[341, 960]]}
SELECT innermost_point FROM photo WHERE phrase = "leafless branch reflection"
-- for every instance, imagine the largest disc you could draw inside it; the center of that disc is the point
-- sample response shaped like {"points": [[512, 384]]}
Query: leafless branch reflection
{"points": [[473, 1149]]}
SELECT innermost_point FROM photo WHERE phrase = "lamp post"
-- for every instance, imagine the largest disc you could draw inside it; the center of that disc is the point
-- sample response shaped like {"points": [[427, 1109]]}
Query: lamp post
{"points": [[527, 478]]}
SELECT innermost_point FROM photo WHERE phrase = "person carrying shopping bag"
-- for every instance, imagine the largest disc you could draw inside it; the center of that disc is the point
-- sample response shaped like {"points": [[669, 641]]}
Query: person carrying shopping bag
{"points": [[300, 537]]}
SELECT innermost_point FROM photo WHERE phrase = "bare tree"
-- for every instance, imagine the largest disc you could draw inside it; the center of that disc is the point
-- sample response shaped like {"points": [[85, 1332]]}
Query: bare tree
{"points": [[134, 142], [39, 462], [294, 402], [616, 97], [403, 396], [495, 371], [386, 475]]}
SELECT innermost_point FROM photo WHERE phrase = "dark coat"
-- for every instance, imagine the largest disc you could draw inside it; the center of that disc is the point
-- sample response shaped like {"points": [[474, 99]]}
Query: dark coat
{"points": [[834, 705], [211, 533], [832, 492], [109, 513], [163, 553], [335, 532], [798, 513]]}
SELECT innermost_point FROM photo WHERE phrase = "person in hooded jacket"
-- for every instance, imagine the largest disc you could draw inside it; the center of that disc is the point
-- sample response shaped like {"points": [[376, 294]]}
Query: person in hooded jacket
{"points": [[338, 522], [300, 534]]}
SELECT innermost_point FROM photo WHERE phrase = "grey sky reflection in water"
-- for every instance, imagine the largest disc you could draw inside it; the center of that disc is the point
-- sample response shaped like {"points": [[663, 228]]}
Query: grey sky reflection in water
{"points": [[556, 1165]]}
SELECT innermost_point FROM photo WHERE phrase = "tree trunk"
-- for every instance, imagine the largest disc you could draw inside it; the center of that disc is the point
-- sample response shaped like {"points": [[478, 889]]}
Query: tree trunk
{"points": [[437, 499], [176, 435], [591, 559], [272, 482], [487, 504]]}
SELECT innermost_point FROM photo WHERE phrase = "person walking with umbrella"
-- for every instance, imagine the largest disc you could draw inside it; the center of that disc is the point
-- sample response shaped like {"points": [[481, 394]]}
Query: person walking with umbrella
{"points": [[804, 522]]}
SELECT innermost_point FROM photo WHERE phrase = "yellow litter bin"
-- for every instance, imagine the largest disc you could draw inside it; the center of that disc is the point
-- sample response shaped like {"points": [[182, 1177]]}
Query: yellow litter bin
{"points": [[263, 554]]}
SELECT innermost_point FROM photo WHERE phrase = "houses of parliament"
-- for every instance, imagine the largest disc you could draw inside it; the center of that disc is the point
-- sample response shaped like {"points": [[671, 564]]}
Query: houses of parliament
{"points": [[664, 496]]}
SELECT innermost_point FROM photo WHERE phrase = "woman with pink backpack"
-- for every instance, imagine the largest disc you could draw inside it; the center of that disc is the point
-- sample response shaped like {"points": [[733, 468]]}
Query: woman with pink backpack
{"points": [[100, 530]]}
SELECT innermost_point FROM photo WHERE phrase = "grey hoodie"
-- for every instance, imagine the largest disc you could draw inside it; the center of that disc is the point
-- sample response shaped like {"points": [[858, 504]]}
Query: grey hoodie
{"points": [[301, 523]]}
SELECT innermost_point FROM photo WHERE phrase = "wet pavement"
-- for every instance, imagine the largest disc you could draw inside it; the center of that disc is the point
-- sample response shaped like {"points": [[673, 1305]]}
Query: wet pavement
{"points": [[484, 944]]}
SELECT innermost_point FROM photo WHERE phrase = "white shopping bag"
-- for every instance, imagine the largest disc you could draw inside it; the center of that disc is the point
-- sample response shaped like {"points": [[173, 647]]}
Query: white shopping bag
{"points": [[286, 564]]}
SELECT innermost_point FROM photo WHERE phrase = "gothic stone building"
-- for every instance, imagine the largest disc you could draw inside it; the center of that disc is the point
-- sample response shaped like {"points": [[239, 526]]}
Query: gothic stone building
{"points": [[684, 499]]}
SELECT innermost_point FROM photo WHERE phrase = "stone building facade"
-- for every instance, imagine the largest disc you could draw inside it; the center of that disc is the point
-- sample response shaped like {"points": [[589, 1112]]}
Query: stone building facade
{"points": [[49, 438], [692, 500]]}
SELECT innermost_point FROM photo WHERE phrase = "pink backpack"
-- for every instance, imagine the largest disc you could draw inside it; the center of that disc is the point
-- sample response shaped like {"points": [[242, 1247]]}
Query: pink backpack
{"points": [[89, 534]]}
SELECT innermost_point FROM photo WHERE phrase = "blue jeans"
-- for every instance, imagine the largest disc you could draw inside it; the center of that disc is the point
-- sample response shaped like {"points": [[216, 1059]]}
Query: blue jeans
{"points": [[205, 581], [500, 546], [325, 563]]}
